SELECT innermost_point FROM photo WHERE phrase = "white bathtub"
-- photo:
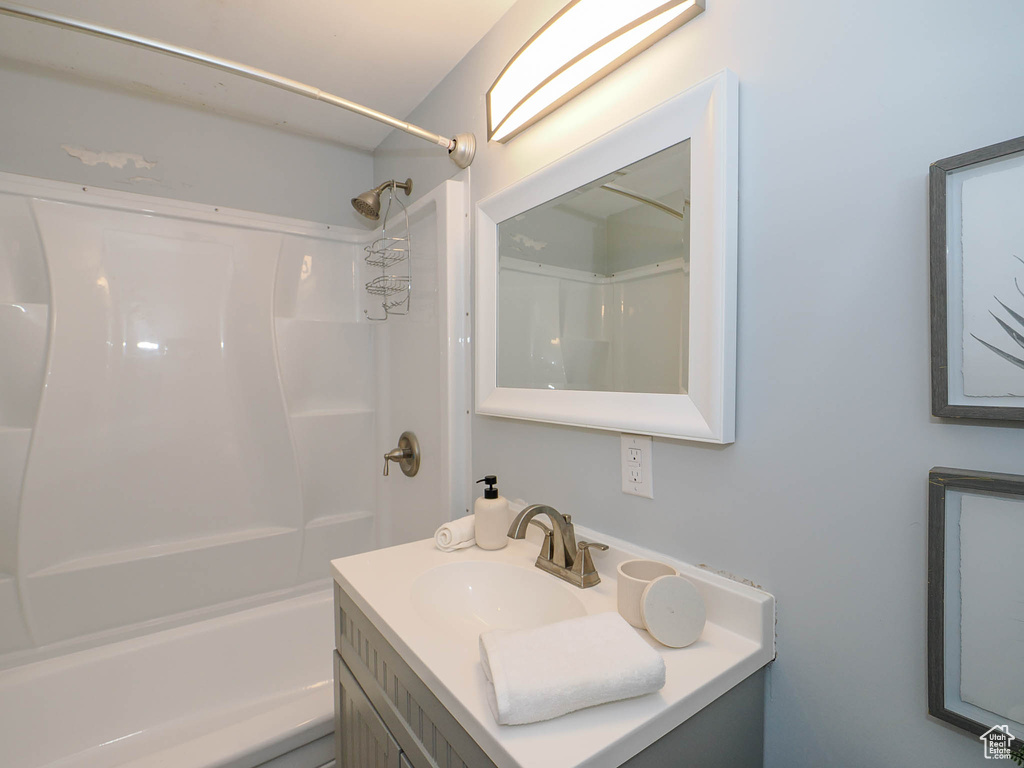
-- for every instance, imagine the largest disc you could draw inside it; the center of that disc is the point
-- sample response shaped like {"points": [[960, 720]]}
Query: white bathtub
{"points": [[248, 689]]}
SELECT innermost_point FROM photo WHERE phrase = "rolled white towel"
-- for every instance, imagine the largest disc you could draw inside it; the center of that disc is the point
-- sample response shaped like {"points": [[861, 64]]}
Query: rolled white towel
{"points": [[538, 674], [458, 534]]}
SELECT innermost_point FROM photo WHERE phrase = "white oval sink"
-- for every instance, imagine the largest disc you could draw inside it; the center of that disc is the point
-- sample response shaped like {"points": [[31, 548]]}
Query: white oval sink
{"points": [[478, 596]]}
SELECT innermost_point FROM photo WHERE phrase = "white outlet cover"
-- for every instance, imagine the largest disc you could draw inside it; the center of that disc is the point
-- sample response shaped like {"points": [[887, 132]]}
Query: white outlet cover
{"points": [[644, 444]]}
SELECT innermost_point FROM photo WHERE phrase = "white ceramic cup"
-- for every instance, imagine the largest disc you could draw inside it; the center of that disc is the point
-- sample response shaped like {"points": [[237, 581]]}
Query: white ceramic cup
{"points": [[634, 576]]}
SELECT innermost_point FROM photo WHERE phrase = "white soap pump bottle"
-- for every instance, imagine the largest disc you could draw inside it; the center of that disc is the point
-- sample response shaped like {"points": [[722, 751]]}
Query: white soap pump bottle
{"points": [[490, 515]]}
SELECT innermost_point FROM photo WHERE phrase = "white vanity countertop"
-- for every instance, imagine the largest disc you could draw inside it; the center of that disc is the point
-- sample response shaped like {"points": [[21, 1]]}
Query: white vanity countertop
{"points": [[738, 640]]}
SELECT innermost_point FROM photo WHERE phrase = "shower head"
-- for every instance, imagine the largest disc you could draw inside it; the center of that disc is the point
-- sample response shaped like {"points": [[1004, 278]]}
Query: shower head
{"points": [[368, 203]]}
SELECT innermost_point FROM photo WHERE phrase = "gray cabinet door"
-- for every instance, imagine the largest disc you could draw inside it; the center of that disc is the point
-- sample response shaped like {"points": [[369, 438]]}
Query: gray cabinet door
{"points": [[429, 735], [363, 741]]}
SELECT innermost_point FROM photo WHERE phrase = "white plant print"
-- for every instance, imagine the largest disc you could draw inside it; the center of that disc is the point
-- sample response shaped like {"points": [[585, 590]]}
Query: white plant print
{"points": [[992, 238], [1016, 334]]}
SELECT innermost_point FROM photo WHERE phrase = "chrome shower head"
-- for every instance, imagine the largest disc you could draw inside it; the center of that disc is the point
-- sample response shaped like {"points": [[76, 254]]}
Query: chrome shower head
{"points": [[368, 203]]}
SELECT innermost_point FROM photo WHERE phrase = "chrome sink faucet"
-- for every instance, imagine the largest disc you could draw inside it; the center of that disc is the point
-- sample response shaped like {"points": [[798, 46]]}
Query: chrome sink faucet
{"points": [[561, 555]]}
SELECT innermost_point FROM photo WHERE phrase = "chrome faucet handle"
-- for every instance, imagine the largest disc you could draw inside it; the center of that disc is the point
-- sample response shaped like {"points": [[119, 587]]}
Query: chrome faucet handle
{"points": [[583, 565]]}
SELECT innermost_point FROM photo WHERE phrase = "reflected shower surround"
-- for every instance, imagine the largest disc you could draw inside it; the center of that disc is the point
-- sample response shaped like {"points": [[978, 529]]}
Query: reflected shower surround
{"points": [[594, 286], [569, 329]]}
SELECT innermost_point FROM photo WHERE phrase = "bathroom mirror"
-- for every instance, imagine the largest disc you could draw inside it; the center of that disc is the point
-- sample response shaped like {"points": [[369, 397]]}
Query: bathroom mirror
{"points": [[606, 281], [593, 286]]}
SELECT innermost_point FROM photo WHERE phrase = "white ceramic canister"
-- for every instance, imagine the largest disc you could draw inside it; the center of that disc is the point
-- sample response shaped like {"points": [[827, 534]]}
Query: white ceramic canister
{"points": [[634, 576]]}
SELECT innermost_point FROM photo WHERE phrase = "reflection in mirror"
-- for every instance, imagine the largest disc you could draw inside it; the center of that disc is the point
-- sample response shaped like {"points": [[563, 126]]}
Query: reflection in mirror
{"points": [[593, 286]]}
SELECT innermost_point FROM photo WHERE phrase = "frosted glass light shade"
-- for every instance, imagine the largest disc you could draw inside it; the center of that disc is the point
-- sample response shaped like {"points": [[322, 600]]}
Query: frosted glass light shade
{"points": [[582, 43]]}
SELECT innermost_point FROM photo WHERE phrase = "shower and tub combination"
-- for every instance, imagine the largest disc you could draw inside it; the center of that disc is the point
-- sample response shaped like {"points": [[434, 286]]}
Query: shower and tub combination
{"points": [[194, 404]]}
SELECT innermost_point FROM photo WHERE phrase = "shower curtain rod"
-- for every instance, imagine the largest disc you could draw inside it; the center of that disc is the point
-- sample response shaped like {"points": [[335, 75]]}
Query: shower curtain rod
{"points": [[644, 199], [461, 148]]}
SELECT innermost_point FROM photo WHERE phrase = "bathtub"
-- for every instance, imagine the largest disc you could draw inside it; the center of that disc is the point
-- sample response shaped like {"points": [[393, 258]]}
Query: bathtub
{"points": [[252, 688]]}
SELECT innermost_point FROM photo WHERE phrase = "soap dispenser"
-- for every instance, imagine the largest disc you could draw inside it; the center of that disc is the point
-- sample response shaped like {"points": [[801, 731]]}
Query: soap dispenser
{"points": [[491, 516]]}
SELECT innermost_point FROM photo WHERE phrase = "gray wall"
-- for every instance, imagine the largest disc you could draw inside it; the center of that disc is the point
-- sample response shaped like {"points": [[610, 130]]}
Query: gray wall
{"points": [[200, 156], [822, 500]]}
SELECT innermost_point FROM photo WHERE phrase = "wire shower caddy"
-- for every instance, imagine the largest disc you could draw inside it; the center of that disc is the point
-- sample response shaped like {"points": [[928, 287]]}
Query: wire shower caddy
{"points": [[388, 253]]}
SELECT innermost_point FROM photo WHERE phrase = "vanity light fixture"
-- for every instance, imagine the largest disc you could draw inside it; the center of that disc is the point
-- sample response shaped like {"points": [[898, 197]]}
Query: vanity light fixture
{"points": [[582, 43]]}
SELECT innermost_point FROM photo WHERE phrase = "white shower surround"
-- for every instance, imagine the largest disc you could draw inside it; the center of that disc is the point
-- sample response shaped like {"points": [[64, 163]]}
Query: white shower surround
{"points": [[186, 633], [158, 474], [230, 450]]}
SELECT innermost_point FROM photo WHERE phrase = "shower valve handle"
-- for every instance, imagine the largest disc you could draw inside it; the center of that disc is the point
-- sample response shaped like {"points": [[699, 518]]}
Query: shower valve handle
{"points": [[407, 454], [395, 455]]}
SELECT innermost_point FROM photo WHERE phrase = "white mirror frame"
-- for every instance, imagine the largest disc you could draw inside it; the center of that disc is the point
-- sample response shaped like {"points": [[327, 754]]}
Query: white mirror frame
{"points": [[707, 115]]}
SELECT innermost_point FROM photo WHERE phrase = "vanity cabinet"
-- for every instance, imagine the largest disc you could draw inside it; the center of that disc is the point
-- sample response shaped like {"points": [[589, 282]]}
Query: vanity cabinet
{"points": [[386, 717], [369, 669], [367, 740]]}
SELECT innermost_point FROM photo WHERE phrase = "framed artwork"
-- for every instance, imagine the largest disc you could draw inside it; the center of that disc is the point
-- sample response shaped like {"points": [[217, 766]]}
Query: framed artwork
{"points": [[977, 283], [976, 600]]}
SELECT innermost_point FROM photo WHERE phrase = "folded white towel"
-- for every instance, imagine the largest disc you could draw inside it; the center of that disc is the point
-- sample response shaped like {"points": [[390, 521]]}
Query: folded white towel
{"points": [[538, 674], [458, 534]]}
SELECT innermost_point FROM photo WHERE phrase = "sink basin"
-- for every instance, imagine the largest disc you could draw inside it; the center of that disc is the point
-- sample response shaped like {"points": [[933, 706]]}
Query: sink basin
{"points": [[477, 596]]}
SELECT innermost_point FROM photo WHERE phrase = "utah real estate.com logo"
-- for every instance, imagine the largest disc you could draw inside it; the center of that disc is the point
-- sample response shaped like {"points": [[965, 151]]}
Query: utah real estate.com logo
{"points": [[998, 743]]}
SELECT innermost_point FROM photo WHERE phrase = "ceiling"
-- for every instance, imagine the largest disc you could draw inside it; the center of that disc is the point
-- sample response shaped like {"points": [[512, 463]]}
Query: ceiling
{"points": [[663, 176], [387, 56]]}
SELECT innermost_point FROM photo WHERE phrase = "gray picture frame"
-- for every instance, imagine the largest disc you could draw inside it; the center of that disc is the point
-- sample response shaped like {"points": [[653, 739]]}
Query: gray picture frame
{"points": [[938, 181], [941, 480]]}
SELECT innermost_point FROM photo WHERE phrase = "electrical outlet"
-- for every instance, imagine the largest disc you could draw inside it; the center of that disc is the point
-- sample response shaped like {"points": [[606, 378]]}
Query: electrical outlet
{"points": [[637, 474]]}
